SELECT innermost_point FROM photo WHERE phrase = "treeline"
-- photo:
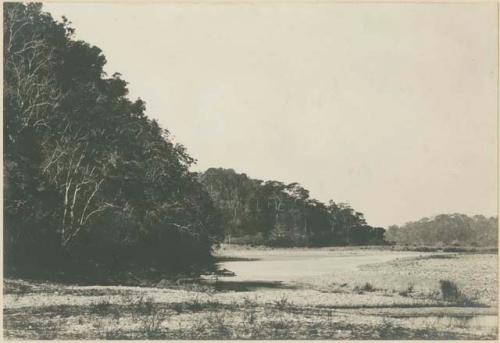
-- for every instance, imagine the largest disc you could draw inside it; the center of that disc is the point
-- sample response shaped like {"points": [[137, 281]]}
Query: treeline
{"points": [[274, 213], [91, 184], [447, 230]]}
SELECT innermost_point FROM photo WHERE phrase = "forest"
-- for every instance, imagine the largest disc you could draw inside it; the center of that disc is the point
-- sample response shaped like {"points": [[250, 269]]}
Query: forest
{"points": [[447, 230], [93, 185], [279, 214]]}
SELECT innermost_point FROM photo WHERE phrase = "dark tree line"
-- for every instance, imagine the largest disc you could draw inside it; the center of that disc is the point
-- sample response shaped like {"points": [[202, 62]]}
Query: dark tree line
{"points": [[447, 229], [275, 213], [91, 183]]}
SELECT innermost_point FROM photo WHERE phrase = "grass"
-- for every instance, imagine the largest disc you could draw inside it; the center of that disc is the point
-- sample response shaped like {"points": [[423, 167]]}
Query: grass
{"points": [[458, 249], [36, 310], [194, 305], [386, 330], [407, 291], [250, 319], [366, 287], [438, 256], [282, 303], [101, 307], [273, 324], [150, 325]]}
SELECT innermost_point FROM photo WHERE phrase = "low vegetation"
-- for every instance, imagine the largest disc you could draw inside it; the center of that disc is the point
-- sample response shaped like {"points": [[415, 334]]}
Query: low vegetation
{"points": [[451, 292], [382, 300], [232, 320]]}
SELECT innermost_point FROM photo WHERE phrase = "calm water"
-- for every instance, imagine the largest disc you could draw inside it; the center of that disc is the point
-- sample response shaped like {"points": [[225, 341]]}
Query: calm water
{"points": [[295, 265]]}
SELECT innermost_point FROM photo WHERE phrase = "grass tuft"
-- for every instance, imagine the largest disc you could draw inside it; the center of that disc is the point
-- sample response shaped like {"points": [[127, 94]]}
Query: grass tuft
{"points": [[451, 293], [367, 287], [407, 291], [282, 303]]}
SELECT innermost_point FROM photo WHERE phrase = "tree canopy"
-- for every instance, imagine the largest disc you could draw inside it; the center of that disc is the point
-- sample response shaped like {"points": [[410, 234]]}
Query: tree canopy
{"points": [[447, 229], [275, 213], [92, 184], [89, 179]]}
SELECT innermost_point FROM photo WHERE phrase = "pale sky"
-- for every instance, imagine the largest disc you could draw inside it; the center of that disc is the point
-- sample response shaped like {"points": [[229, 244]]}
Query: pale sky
{"points": [[390, 107]]}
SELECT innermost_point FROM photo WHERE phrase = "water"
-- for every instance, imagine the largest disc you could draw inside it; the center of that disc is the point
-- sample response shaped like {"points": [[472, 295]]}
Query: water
{"points": [[294, 265], [281, 269]]}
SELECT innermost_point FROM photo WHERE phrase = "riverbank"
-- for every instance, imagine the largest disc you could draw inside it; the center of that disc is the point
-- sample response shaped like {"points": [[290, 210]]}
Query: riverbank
{"points": [[324, 293]]}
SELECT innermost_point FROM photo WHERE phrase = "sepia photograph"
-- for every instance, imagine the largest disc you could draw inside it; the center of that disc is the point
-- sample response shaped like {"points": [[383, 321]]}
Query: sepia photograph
{"points": [[250, 170]]}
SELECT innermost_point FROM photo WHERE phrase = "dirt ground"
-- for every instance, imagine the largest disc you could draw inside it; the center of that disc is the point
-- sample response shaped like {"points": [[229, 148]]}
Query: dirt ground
{"points": [[327, 293]]}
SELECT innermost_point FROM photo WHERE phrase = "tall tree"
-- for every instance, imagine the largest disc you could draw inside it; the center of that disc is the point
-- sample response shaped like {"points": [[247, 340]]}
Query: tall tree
{"points": [[90, 179], [275, 213]]}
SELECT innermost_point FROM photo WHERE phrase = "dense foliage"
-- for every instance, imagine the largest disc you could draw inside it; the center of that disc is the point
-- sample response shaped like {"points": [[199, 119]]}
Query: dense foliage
{"points": [[91, 183], [275, 213], [447, 229]]}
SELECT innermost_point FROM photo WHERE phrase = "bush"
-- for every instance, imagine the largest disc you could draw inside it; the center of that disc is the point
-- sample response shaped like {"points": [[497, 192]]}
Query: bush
{"points": [[406, 292], [449, 290], [367, 287]]}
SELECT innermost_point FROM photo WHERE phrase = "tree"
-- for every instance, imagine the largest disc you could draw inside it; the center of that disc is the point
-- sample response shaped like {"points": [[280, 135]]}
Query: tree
{"points": [[447, 229], [275, 213], [91, 181]]}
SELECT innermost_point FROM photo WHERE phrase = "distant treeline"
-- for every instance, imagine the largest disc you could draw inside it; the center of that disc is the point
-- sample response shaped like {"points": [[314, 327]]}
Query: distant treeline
{"points": [[274, 213], [446, 230], [91, 184]]}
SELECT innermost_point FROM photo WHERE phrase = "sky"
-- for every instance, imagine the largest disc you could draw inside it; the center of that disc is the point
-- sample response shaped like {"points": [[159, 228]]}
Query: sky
{"points": [[389, 107]]}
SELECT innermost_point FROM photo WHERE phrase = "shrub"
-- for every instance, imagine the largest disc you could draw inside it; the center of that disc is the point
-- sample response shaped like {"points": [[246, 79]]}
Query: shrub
{"points": [[407, 291], [367, 287], [449, 290]]}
